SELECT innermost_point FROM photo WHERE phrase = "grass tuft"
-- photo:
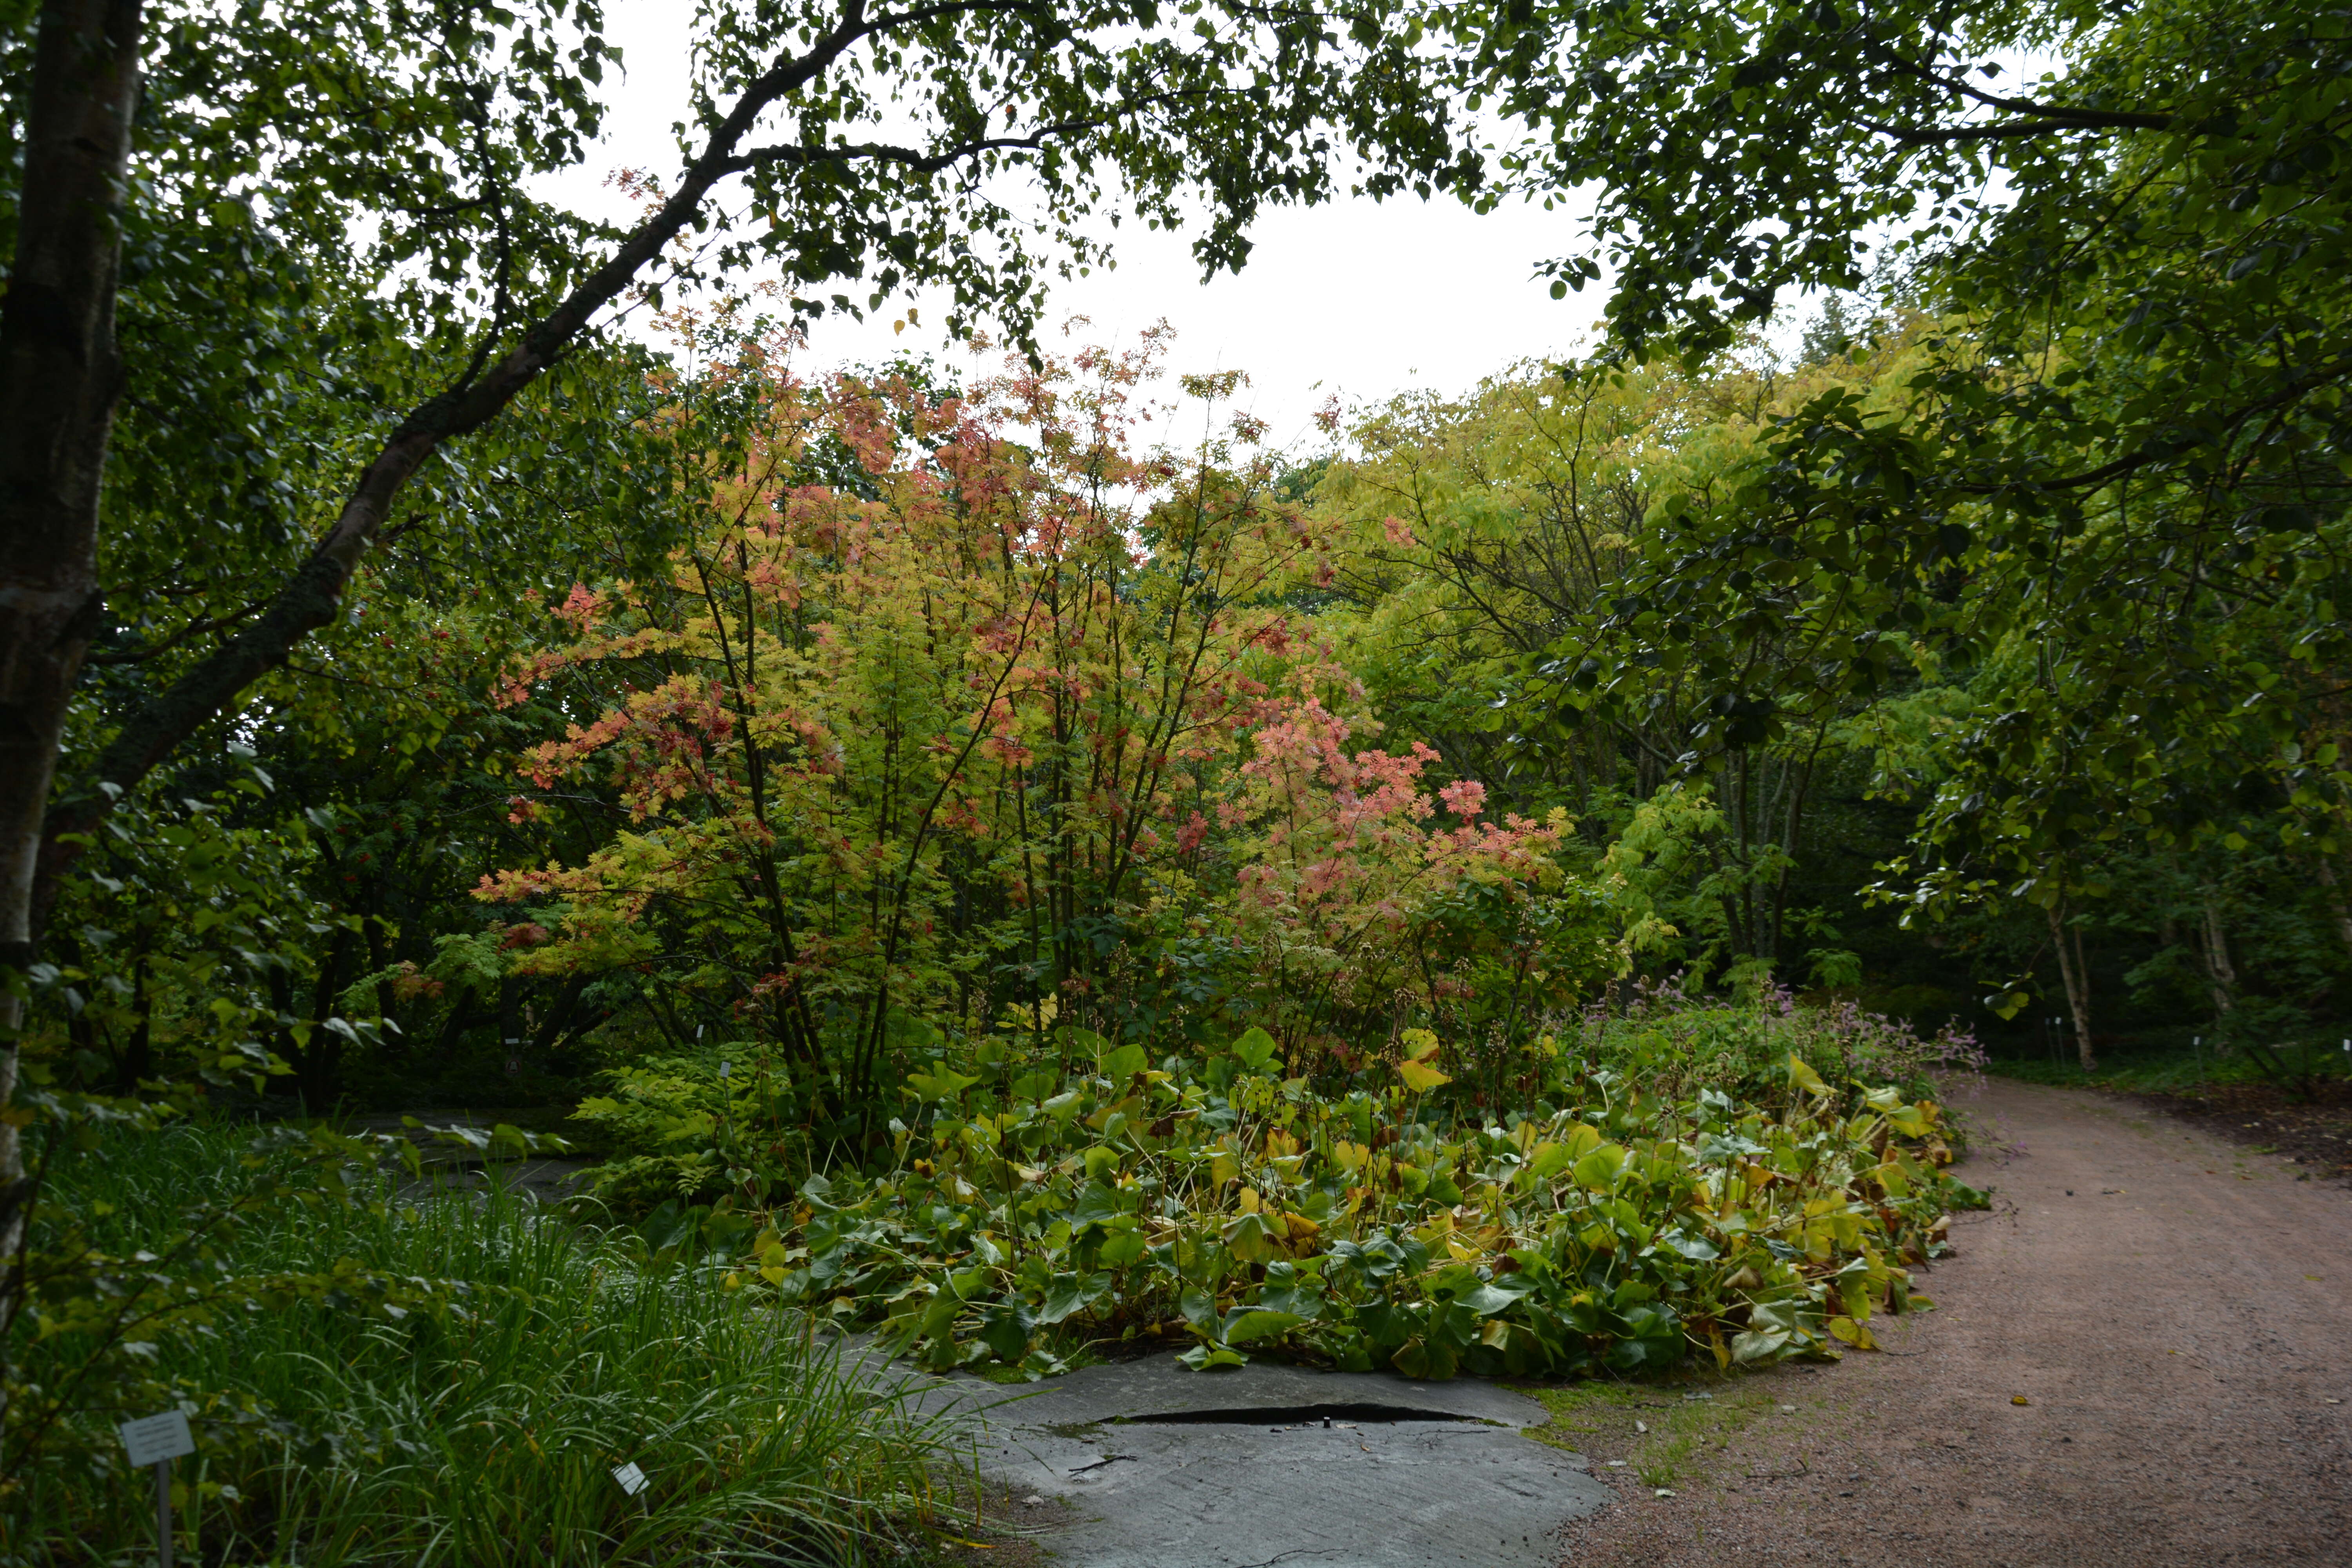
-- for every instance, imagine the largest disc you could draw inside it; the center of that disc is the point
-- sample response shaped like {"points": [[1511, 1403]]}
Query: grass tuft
{"points": [[484, 1434]]}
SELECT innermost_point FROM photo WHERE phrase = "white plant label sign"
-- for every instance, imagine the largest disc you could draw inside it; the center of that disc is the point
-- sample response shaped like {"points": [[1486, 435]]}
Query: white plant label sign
{"points": [[631, 1480], [152, 1439]]}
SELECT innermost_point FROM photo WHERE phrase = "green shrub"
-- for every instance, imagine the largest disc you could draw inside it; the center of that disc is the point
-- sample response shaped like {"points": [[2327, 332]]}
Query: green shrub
{"points": [[680, 1132], [1676, 1046]]}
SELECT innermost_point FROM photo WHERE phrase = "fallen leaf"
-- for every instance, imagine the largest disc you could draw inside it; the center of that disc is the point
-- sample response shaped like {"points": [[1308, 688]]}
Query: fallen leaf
{"points": [[2019, 1399]]}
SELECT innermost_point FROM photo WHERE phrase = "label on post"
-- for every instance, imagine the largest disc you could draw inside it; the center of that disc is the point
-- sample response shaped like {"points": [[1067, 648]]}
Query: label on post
{"points": [[631, 1480], [152, 1439]]}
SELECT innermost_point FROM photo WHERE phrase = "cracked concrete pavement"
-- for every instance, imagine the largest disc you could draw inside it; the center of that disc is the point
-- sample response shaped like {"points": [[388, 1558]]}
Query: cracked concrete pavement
{"points": [[1153, 1466]]}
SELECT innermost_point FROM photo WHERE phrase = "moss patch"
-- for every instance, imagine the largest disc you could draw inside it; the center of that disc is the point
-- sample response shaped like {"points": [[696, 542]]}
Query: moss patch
{"points": [[1667, 1433]]}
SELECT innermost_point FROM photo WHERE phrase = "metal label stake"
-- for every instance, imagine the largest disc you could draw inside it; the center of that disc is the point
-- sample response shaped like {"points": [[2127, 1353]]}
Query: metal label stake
{"points": [[158, 1440]]}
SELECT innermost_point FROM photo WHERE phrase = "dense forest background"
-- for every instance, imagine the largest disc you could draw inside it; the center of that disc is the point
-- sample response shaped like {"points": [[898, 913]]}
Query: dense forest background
{"points": [[364, 862]]}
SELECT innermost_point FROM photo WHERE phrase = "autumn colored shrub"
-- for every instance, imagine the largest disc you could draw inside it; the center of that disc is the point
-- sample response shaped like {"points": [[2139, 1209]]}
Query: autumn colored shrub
{"points": [[958, 717]]}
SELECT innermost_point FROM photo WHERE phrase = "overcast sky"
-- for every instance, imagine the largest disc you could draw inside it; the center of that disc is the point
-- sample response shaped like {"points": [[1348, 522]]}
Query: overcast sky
{"points": [[1357, 298]]}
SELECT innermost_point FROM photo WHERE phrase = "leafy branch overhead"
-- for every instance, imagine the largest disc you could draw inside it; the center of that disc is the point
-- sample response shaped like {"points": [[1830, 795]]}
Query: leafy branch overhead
{"points": [[490, 289]]}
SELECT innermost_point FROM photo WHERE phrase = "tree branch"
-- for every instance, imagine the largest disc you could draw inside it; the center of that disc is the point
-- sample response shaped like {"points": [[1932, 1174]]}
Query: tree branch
{"points": [[310, 599], [2089, 119], [2008, 130]]}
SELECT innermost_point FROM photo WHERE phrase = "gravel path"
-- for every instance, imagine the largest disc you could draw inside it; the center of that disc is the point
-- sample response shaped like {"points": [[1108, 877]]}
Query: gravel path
{"points": [[2176, 1312]]}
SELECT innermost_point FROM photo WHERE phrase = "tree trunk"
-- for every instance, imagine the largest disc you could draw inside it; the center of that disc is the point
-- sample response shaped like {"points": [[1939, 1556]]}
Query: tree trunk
{"points": [[137, 1057], [2076, 977], [310, 597], [2335, 903], [2215, 949], [58, 383]]}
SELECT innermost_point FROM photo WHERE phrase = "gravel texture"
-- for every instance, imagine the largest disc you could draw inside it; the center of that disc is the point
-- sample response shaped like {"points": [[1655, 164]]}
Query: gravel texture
{"points": [[2140, 1356]]}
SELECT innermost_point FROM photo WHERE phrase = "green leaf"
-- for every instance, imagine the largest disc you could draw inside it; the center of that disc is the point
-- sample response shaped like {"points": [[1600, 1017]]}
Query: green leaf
{"points": [[1598, 1170], [1548, 1161], [1254, 1048], [1244, 1324], [1248, 1239], [1006, 1328], [945, 1084]]}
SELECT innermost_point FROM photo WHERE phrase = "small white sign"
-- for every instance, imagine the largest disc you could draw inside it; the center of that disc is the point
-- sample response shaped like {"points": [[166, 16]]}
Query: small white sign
{"points": [[631, 1480], [722, 1072], [152, 1439]]}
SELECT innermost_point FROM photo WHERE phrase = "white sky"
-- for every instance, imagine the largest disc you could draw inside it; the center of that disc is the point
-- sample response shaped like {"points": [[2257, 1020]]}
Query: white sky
{"points": [[1357, 298]]}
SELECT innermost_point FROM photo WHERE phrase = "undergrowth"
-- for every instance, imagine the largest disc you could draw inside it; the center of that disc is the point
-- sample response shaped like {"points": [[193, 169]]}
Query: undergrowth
{"points": [[1090, 1196], [479, 1426], [2180, 1068]]}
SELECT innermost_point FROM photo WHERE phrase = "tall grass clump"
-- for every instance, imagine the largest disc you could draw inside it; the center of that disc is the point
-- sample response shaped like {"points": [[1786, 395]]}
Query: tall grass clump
{"points": [[479, 1424]]}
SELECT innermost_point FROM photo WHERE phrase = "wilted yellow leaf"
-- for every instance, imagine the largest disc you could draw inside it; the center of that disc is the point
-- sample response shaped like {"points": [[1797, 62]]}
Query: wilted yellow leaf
{"points": [[1419, 1077], [1857, 1336], [1804, 1077]]}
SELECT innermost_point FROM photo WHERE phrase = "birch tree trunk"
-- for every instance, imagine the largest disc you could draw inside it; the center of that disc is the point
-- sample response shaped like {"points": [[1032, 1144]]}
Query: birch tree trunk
{"points": [[2076, 977], [2220, 974]]}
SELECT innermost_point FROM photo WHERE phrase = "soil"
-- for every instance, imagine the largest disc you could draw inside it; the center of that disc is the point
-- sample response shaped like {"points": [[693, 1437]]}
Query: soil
{"points": [[2312, 1132], [2139, 1357]]}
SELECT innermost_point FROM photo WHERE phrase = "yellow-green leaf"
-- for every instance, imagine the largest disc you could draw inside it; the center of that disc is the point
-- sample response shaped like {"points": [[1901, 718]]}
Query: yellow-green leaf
{"points": [[1804, 1077], [1419, 1077]]}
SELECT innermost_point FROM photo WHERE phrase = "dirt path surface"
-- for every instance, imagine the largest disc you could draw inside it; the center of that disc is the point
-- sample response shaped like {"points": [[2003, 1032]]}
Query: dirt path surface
{"points": [[2178, 1313]]}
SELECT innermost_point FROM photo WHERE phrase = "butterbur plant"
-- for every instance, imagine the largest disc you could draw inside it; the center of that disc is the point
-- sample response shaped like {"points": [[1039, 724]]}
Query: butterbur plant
{"points": [[1217, 1203]]}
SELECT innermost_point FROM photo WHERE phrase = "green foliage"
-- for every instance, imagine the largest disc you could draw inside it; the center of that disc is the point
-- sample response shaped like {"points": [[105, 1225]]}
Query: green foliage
{"points": [[1489, 543], [675, 1129], [377, 1373], [1679, 1047], [1048, 1200], [2105, 487], [2302, 1064]]}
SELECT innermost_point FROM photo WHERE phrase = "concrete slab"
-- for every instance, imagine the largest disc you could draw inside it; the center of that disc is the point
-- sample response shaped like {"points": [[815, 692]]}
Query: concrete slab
{"points": [[1160, 1466]]}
